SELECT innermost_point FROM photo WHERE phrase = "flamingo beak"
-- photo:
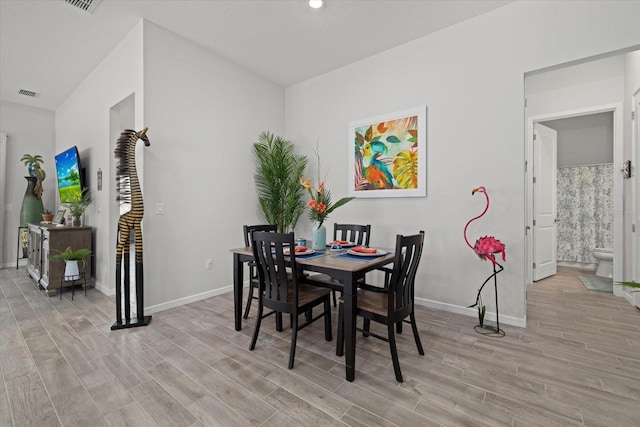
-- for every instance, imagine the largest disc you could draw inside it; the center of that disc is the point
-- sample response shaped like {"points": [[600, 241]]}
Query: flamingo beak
{"points": [[474, 191]]}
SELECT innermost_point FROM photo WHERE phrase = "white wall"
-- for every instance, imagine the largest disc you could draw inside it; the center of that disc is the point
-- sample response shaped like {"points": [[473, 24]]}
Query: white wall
{"points": [[83, 120], [29, 131], [471, 77], [203, 115]]}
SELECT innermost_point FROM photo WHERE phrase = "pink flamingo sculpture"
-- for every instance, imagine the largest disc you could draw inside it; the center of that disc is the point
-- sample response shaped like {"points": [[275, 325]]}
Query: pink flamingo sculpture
{"points": [[486, 247]]}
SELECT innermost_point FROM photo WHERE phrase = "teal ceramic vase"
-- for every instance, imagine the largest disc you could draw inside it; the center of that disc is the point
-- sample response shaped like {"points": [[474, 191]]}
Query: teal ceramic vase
{"points": [[319, 237], [31, 211]]}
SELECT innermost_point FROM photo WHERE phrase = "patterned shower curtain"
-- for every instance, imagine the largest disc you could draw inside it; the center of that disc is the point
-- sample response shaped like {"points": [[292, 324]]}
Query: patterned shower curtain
{"points": [[585, 211]]}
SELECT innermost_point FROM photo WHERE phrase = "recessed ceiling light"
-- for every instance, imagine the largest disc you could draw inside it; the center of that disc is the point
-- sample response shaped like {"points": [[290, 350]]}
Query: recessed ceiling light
{"points": [[316, 4]]}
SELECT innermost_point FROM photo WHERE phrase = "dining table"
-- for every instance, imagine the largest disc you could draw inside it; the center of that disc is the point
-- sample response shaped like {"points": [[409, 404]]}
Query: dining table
{"points": [[340, 265]]}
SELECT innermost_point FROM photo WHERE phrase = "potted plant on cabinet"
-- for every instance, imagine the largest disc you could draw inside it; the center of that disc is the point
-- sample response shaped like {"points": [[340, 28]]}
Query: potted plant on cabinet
{"points": [[47, 216], [77, 207], [71, 258], [277, 180]]}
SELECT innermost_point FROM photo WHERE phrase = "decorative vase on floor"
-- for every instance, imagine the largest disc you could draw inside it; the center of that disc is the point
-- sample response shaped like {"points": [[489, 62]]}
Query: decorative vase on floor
{"points": [[32, 208], [319, 237]]}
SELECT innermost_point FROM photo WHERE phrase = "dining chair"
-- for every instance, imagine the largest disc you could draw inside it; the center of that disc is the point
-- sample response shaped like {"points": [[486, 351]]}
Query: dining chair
{"points": [[354, 233], [253, 274], [391, 304], [282, 292]]}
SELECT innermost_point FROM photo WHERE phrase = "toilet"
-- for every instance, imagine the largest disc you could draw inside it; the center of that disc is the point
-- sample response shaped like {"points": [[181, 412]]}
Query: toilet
{"points": [[605, 262]]}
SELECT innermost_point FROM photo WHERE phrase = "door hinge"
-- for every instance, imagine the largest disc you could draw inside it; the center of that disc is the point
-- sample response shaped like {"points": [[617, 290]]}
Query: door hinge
{"points": [[525, 103], [633, 115], [633, 228], [534, 265], [534, 179], [534, 222], [525, 166], [535, 136]]}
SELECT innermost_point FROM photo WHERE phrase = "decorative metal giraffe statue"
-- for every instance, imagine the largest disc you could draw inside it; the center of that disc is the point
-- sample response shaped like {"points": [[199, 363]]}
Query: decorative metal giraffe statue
{"points": [[129, 196]]}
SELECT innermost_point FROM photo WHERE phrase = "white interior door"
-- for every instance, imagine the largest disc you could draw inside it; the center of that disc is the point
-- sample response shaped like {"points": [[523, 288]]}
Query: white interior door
{"points": [[545, 165], [3, 180], [635, 193]]}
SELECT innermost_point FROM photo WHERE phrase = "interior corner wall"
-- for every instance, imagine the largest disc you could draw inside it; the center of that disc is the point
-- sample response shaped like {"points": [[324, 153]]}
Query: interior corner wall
{"points": [[471, 78], [83, 120], [203, 114], [29, 130]]}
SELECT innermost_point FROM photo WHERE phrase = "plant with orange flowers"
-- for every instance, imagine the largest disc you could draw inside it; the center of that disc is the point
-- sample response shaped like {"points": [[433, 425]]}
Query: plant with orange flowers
{"points": [[320, 205]]}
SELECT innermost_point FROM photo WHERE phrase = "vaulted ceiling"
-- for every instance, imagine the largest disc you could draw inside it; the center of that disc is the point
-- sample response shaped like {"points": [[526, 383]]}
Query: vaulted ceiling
{"points": [[49, 47]]}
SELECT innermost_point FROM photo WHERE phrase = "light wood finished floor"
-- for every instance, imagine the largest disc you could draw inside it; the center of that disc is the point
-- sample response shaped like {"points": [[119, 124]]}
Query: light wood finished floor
{"points": [[576, 363]]}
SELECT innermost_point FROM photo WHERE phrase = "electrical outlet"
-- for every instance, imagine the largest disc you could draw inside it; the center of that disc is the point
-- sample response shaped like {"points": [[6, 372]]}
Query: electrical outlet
{"points": [[208, 263]]}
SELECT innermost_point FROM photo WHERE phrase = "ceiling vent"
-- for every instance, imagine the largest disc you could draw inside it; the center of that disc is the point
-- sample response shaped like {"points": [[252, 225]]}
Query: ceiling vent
{"points": [[28, 93], [86, 5]]}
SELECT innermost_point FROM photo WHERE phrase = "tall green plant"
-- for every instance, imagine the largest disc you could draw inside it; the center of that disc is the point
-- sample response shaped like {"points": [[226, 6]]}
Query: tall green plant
{"points": [[277, 179]]}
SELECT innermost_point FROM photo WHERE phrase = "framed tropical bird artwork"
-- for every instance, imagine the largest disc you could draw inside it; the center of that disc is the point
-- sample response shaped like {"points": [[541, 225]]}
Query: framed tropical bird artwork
{"points": [[388, 155]]}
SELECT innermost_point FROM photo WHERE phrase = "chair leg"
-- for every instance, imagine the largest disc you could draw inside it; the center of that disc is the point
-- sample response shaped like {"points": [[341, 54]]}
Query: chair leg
{"points": [[294, 337], [414, 326], [399, 327], [328, 333], [340, 343], [366, 325], [246, 310], [257, 329], [335, 301], [394, 352]]}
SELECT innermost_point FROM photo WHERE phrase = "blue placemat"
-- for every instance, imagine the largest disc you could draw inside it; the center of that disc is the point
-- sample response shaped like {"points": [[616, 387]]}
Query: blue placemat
{"points": [[313, 255], [358, 258]]}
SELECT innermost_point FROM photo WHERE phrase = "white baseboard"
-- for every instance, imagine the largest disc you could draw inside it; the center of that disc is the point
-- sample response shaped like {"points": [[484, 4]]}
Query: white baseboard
{"points": [[107, 291], [471, 312], [186, 300], [22, 262]]}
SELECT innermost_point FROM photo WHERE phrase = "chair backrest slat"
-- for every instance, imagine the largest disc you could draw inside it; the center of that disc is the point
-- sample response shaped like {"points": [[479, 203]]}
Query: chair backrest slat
{"points": [[356, 233], [408, 252]]}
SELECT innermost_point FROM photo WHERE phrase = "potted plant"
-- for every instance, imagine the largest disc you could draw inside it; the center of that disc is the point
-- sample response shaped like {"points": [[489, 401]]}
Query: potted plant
{"points": [[277, 180], [636, 289], [71, 258], [77, 207], [47, 216]]}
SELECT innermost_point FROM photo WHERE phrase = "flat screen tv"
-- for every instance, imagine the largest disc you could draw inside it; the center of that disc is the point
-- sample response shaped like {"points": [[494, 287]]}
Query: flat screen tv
{"points": [[70, 176]]}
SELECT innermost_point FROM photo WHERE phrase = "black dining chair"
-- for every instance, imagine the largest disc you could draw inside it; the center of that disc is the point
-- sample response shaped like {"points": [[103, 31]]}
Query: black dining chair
{"points": [[354, 233], [391, 304], [253, 274], [282, 292]]}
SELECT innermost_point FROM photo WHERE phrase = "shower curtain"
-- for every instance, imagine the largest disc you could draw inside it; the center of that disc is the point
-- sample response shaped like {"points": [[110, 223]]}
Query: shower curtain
{"points": [[585, 211]]}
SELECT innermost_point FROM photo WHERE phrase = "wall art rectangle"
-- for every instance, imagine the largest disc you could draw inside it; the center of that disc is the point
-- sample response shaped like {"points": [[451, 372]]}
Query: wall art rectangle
{"points": [[387, 155]]}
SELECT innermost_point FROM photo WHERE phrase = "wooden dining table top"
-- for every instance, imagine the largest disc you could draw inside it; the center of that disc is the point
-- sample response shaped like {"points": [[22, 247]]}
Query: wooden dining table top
{"points": [[333, 261]]}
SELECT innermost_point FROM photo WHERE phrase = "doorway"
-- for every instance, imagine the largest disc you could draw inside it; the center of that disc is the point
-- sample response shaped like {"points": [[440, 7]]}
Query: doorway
{"points": [[588, 166], [121, 116]]}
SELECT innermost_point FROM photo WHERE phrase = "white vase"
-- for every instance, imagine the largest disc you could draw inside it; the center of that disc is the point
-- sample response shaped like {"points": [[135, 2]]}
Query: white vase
{"points": [[319, 237], [71, 271]]}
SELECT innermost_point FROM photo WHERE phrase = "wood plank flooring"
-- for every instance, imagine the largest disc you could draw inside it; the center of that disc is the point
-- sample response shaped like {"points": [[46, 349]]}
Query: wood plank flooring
{"points": [[576, 364]]}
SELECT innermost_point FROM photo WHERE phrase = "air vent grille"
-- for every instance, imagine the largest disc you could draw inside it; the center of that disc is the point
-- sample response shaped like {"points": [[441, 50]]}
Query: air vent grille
{"points": [[86, 5], [28, 93]]}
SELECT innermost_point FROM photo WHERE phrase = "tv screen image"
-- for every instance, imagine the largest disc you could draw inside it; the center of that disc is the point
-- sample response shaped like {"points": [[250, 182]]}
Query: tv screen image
{"points": [[68, 172]]}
